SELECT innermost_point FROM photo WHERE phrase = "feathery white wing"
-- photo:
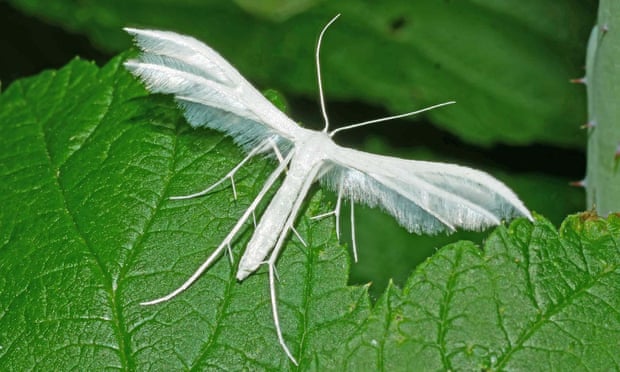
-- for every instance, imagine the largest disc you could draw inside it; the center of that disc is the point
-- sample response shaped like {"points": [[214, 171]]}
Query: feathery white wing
{"points": [[211, 92], [424, 197]]}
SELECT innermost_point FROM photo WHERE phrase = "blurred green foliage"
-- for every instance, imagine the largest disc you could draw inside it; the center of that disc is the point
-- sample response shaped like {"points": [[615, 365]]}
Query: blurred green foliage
{"points": [[505, 63]]}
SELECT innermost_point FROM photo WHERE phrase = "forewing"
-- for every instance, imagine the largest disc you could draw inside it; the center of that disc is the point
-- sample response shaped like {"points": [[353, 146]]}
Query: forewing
{"points": [[210, 91], [424, 197]]}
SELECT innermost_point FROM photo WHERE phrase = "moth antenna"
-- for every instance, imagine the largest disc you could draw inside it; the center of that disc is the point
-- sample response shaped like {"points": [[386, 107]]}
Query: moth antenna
{"points": [[318, 72], [374, 121]]}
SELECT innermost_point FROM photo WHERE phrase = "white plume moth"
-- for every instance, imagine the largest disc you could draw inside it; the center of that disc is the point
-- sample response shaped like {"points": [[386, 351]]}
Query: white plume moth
{"points": [[424, 197]]}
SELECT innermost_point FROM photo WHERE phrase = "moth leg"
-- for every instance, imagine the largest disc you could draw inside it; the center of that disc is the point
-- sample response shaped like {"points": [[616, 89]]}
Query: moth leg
{"points": [[271, 263], [299, 236], [277, 152], [256, 150], [275, 149], [275, 270], [353, 230], [335, 212], [274, 310], [234, 188], [230, 254], [229, 238], [273, 276]]}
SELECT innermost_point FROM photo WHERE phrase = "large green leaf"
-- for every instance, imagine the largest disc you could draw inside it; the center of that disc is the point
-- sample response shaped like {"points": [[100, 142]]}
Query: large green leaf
{"points": [[506, 63], [88, 163], [88, 232], [532, 300]]}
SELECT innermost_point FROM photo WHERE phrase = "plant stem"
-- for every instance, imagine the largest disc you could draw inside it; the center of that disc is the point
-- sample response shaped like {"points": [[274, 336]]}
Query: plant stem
{"points": [[603, 85]]}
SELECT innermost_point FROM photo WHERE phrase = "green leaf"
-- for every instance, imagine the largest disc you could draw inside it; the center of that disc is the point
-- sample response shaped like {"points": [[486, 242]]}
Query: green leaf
{"points": [[531, 300], [89, 160], [277, 99], [507, 64], [87, 232]]}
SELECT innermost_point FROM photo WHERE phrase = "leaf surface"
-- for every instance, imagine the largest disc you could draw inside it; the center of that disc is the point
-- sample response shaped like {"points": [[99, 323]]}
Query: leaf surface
{"points": [[532, 299], [87, 232], [89, 161]]}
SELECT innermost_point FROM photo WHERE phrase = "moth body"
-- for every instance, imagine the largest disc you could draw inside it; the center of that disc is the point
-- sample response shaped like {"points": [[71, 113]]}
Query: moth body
{"points": [[307, 161]]}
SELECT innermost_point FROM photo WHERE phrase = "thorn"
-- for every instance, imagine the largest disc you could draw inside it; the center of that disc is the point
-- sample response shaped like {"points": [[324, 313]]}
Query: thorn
{"points": [[581, 80], [590, 124], [604, 28], [581, 183], [589, 215]]}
